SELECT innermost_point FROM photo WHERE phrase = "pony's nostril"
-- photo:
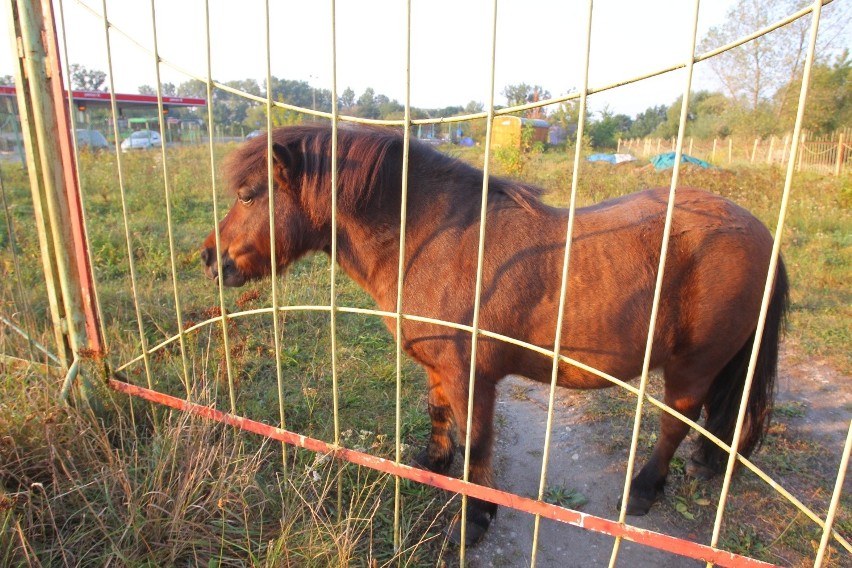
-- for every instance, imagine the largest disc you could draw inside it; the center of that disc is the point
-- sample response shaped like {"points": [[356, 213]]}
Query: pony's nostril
{"points": [[205, 255]]}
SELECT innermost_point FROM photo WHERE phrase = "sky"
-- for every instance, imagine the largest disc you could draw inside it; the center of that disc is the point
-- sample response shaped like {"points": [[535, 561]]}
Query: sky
{"points": [[539, 42]]}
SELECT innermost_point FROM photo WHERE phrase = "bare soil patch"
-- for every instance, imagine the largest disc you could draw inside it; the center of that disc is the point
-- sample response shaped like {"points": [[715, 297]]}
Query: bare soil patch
{"points": [[590, 444]]}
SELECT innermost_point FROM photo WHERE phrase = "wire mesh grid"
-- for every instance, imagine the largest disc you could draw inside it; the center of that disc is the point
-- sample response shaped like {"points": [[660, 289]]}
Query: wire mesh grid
{"points": [[276, 310]]}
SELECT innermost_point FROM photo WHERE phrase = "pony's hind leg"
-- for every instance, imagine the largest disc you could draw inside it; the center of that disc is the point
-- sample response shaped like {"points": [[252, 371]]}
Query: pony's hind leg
{"points": [[648, 484], [438, 454]]}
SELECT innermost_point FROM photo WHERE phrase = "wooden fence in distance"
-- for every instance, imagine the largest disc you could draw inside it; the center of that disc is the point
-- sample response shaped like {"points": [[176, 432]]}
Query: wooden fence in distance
{"points": [[828, 154]]}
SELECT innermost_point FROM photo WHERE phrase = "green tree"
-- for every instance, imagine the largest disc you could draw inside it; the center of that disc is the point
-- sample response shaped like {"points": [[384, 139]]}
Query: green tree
{"points": [[522, 94], [366, 106], [604, 133], [669, 127], [829, 97], [168, 89], [389, 109], [296, 93], [192, 88], [347, 99], [752, 73], [713, 116], [473, 107], [85, 79], [647, 121]]}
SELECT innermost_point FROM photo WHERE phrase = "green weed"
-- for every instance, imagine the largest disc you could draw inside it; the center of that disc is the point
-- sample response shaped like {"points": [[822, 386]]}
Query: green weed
{"points": [[564, 497]]}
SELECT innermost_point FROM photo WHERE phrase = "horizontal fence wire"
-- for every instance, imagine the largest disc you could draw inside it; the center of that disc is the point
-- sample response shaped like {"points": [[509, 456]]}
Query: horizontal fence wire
{"points": [[334, 116], [538, 507]]}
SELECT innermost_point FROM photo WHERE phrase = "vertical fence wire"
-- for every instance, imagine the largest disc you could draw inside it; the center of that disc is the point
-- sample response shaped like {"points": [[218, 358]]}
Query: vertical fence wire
{"points": [[122, 186], [211, 124], [477, 297], [770, 278], [273, 256], [658, 287], [333, 252], [167, 196], [835, 498], [217, 234], [400, 276], [563, 289], [25, 306]]}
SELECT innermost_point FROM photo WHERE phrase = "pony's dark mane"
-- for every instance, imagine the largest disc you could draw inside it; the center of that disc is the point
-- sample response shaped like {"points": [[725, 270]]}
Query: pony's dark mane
{"points": [[369, 159]]}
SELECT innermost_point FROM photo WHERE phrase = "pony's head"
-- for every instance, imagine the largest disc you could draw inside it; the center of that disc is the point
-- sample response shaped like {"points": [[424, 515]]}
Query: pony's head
{"points": [[244, 233], [368, 162]]}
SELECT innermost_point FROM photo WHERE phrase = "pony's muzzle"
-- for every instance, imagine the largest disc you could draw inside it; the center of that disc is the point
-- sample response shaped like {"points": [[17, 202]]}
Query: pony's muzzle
{"points": [[226, 270]]}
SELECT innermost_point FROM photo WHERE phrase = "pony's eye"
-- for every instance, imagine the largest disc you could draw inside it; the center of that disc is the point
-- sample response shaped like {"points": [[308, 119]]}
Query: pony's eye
{"points": [[246, 200]]}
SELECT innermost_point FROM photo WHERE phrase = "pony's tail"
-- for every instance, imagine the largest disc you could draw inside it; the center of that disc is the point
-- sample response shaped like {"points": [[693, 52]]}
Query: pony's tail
{"points": [[723, 402]]}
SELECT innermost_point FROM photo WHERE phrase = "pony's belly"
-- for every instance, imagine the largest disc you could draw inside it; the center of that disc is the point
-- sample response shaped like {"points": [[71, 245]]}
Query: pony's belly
{"points": [[577, 378], [578, 374]]}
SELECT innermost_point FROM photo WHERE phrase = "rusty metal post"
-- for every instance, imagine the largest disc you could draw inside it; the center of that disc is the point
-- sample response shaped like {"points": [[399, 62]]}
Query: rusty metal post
{"points": [[56, 195]]}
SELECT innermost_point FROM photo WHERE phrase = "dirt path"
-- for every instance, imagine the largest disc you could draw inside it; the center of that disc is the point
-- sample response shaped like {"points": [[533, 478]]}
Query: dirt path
{"points": [[588, 456]]}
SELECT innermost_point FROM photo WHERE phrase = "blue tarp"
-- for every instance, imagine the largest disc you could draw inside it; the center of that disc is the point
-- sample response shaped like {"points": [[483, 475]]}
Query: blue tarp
{"points": [[610, 158], [666, 161]]}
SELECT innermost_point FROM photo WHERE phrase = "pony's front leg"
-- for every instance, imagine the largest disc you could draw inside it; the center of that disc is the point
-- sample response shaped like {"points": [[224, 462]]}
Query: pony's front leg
{"points": [[438, 455], [479, 513]]}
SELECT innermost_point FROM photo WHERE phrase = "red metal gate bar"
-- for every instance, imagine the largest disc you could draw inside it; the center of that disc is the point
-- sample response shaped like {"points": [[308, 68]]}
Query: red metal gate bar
{"points": [[524, 504], [72, 188]]}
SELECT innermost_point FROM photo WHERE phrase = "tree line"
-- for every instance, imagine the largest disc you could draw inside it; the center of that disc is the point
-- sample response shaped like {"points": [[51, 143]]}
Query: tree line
{"points": [[757, 94], [711, 114]]}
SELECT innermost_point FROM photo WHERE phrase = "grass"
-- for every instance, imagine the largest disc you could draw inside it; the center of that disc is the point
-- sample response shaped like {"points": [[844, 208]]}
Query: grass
{"points": [[134, 485], [167, 489], [564, 497]]}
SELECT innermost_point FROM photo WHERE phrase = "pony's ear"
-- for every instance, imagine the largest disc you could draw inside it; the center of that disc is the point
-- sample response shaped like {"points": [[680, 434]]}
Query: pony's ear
{"points": [[284, 161], [281, 155]]}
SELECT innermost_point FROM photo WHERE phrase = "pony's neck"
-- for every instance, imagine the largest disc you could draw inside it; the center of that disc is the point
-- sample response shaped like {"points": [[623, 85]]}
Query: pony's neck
{"points": [[369, 254], [369, 233]]}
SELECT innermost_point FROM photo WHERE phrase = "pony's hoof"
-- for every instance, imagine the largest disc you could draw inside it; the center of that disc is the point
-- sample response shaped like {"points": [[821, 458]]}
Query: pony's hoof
{"points": [[441, 465], [699, 470], [639, 504], [477, 525]]}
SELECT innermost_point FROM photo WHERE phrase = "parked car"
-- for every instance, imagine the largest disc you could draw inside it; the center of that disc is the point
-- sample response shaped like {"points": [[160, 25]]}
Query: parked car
{"points": [[253, 134], [141, 139], [91, 140]]}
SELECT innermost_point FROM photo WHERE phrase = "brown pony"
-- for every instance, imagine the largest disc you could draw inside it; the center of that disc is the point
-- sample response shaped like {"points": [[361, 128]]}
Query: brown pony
{"points": [[715, 272]]}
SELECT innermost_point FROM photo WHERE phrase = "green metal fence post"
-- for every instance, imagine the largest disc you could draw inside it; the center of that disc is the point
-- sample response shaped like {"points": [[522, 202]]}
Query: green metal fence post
{"points": [[56, 197]]}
